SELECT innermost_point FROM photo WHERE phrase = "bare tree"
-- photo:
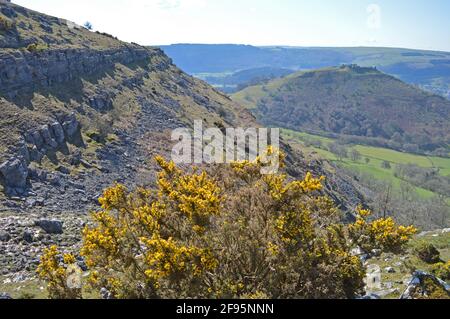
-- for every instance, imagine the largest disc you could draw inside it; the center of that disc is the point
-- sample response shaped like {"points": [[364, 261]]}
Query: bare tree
{"points": [[355, 155]]}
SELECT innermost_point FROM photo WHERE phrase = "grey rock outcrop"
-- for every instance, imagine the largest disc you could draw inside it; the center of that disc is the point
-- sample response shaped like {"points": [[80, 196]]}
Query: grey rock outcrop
{"points": [[27, 70], [70, 125], [7, 11], [48, 137], [101, 102], [417, 285], [15, 173], [52, 136], [4, 236], [58, 132], [50, 226]]}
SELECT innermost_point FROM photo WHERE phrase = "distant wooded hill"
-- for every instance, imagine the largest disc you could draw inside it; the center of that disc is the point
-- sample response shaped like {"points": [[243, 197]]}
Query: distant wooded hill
{"points": [[357, 103], [428, 69]]}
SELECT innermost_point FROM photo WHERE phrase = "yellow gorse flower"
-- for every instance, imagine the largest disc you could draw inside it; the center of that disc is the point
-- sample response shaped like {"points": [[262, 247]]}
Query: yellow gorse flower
{"points": [[113, 197], [382, 233], [233, 234], [196, 196], [165, 258], [55, 273]]}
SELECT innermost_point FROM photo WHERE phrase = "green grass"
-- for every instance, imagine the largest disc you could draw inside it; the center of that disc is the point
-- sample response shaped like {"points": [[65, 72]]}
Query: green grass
{"points": [[31, 289], [377, 156], [407, 262], [35, 289], [249, 97]]}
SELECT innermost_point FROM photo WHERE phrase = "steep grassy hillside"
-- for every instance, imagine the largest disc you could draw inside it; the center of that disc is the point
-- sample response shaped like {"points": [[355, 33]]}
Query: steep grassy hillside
{"points": [[81, 110], [411, 188], [354, 101], [371, 159], [88, 109]]}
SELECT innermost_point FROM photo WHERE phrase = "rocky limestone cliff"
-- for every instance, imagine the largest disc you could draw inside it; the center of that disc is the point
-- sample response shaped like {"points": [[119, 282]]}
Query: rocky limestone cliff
{"points": [[23, 70], [81, 110]]}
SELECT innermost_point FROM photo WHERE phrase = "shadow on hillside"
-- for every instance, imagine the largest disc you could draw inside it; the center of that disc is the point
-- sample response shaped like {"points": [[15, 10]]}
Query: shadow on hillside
{"points": [[138, 65], [67, 92]]}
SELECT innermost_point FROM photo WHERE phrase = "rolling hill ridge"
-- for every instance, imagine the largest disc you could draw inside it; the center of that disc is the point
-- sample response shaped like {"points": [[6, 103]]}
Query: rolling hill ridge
{"points": [[354, 101], [429, 70]]}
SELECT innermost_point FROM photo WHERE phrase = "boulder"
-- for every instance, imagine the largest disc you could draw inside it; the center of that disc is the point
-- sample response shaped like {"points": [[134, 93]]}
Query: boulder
{"points": [[15, 173], [50, 226], [35, 154], [101, 101], [28, 237], [37, 139], [376, 252], [48, 137], [4, 236], [58, 132], [4, 295], [71, 125], [373, 278], [389, 270]]}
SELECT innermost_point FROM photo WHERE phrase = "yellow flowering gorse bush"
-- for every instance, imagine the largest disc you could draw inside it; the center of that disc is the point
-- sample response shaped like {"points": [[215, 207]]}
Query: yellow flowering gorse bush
{"points": [[231, 232], [382, 233], [55, 272]]}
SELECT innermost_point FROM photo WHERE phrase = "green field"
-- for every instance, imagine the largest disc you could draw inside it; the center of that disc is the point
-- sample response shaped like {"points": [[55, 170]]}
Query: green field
{"points": [[377, 156]]}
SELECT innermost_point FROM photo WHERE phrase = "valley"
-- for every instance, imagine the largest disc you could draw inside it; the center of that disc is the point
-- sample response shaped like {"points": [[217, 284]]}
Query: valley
{"points": [[371, 159], [95, 203], [428, 70], [357, 103], [381, 171]]}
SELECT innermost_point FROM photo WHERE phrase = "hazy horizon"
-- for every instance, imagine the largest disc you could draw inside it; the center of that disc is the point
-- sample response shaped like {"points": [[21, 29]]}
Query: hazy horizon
{"points": [[303, 46], [411, 24]]}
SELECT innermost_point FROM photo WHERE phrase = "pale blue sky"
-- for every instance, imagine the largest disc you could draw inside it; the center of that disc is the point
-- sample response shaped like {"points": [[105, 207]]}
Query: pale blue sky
{"points": [[421, 24]]}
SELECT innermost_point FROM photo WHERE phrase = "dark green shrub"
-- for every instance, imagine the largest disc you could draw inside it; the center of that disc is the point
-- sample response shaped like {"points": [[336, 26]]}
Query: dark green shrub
{"points": [[428, 253], [386, 165]]}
